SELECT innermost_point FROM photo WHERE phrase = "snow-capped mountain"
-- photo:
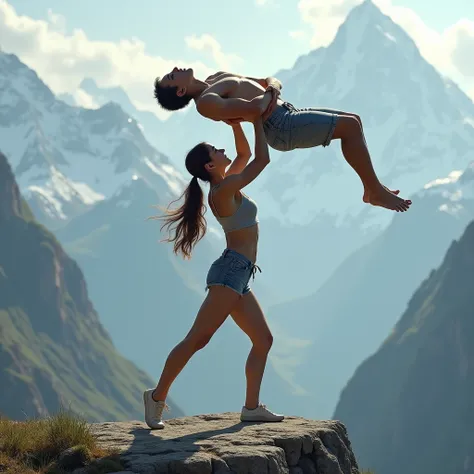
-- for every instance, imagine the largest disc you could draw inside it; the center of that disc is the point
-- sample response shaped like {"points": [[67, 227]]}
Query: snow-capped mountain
{"points": [[417, 123], [67, 158], [153, 128], [455, 192]]}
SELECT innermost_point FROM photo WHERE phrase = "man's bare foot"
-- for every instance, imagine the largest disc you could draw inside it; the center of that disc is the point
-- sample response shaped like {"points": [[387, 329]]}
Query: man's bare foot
{"points": [[383, 197], [365, 197]]}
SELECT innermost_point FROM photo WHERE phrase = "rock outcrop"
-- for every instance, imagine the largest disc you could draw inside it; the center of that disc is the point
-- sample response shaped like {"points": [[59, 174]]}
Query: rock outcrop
{"points": [[221, 444]]}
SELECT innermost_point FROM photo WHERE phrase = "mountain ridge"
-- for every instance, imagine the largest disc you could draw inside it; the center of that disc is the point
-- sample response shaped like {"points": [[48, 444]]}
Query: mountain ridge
{"points": [[429, 395], [54, 351], [67, 158]]}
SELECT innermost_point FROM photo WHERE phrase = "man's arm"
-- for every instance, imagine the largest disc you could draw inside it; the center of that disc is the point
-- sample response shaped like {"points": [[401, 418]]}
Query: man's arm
{"points": [[216, 108]]}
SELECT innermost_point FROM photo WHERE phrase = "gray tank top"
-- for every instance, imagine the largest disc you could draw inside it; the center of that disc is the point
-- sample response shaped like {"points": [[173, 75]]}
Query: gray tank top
{"points": [[244, 216]]}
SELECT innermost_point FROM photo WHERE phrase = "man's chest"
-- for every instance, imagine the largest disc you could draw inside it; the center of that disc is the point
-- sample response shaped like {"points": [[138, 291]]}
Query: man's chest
{"points": [[225, 87]]}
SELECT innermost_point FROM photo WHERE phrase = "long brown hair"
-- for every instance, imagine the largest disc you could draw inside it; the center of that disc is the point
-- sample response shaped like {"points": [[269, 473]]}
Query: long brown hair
{"points": [[188, 220]]}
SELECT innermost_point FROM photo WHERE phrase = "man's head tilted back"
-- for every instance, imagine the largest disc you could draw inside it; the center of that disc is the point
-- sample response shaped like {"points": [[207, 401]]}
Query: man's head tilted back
{"points": [[171, 89]]}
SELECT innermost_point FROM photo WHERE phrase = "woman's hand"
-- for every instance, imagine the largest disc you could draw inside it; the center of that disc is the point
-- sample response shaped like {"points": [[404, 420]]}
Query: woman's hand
{"points": [[233, 122], [265, 104]]}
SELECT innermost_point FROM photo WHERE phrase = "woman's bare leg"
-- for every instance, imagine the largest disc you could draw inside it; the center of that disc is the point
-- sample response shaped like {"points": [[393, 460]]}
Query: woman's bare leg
{"points": [[213, 312], [248, 315]]}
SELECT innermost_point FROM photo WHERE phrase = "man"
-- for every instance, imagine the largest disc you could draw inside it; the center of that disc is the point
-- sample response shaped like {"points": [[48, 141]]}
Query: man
{"points": [[230, 97]]}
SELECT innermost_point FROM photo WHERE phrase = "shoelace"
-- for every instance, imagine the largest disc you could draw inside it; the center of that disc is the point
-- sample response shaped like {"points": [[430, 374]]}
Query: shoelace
{"points": [[159, 409]]}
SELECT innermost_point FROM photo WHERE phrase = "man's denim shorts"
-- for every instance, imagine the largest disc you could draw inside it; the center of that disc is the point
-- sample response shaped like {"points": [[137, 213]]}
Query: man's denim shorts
{"points": [[289, 128], [232, 270]]}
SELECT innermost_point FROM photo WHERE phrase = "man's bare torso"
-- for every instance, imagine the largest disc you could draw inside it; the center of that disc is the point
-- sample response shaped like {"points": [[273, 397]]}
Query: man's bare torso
{"points": [[231, 96], [229, 86]]}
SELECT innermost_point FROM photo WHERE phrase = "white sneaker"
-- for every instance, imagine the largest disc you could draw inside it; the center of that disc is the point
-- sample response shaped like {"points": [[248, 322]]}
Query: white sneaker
{"points": [[153, 410], [261, 413]]}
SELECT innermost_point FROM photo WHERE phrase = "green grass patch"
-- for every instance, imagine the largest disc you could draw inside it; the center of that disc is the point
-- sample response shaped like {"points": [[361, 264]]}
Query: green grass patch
{"points": [[54, 445]]}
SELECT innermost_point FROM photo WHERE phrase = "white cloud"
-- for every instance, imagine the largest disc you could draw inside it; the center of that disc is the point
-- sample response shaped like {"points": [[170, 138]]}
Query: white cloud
{"points": [[324, 17], [260, 3], [62, 60], [460, 43], [449, 51], [208, 43], [298, 34], [57, 22]]}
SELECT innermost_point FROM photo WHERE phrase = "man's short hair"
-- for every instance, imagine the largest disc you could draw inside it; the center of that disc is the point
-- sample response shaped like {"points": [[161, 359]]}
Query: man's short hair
{"points": [[168, 98]]}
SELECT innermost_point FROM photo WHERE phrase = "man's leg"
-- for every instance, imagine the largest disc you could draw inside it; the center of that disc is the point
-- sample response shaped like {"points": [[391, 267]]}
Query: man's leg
{"points": [[311, 127], [354, 148], [357, 117]]}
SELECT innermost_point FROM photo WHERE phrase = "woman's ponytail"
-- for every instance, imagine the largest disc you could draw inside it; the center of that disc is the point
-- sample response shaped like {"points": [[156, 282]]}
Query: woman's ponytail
{"points": [[188, 220]]}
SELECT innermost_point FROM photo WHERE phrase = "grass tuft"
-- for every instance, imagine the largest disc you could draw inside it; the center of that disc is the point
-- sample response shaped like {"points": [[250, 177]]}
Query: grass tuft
{"points": [[39, 446]]}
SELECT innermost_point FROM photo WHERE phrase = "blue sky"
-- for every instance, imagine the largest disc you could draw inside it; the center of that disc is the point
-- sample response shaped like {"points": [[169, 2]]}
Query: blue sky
{"points": [[241, 27], [164, 33], [127, 43]]}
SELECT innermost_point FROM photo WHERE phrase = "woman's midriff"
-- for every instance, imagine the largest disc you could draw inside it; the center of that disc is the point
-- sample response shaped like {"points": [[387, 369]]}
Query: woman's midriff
{"points": [[244, 241]]}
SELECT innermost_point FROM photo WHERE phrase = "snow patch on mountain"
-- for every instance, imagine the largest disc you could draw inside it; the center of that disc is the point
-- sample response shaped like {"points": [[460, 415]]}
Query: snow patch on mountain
{"points": [[453, 177], [90, 95], [455, 189], [58, 189], [453, 194]]}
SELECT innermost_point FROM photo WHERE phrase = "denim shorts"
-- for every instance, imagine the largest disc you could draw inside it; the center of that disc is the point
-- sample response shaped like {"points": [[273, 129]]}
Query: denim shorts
{"points": [[232, 270], [289, 128]]}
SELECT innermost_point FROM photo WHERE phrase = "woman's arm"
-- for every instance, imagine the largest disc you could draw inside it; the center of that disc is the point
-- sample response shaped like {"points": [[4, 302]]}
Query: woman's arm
{"points": [[243, 151], [238, 181]]}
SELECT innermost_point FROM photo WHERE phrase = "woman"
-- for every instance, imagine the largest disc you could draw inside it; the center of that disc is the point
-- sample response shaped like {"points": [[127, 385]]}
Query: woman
{"points": [[228, 278]]}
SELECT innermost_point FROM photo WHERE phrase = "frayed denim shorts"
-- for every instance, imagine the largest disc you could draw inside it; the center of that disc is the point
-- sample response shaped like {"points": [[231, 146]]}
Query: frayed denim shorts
{"points": [[233, 270], [289, 128]]}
